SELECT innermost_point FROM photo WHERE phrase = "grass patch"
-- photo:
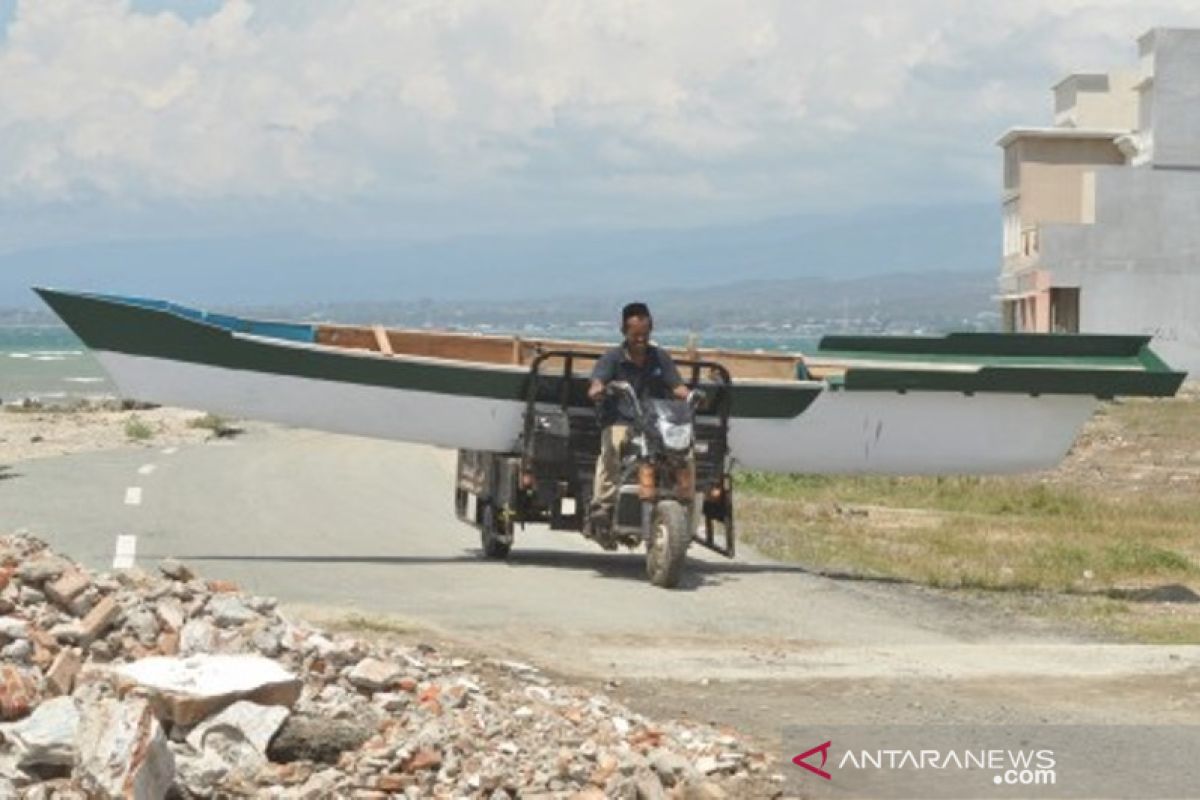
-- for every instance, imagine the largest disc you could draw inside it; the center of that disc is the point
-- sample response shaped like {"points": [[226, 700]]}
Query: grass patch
{"points": [[362, 624], [219, 426], [988, 533], [953, 494], [77, 406], [137, 430], [992, 534]]}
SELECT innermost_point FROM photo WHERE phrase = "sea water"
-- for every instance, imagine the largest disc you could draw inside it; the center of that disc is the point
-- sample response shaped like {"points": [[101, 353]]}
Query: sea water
{"points": [[49, 364]]}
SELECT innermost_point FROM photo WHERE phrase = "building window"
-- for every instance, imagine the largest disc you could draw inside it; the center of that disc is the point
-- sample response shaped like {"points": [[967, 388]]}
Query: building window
{"points": [[1012, 230]]}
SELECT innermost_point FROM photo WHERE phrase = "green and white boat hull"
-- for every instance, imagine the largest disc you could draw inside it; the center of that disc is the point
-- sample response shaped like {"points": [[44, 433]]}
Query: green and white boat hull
{"points": [[906, 411]]}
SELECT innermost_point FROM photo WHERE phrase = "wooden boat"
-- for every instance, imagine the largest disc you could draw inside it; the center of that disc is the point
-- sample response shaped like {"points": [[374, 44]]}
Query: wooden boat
{"points": [[961, 403]]}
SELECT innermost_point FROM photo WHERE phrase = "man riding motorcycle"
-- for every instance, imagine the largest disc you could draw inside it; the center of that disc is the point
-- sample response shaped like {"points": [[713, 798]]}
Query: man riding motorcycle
{"points": [[651, 373]]}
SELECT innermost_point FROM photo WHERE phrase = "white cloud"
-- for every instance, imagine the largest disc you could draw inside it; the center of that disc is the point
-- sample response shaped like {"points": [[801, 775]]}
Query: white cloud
{"points": [[627, 110]]}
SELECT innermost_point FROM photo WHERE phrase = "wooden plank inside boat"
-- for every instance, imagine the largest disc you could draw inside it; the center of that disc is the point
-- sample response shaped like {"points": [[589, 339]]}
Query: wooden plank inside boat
{"points": [[518, 351]]}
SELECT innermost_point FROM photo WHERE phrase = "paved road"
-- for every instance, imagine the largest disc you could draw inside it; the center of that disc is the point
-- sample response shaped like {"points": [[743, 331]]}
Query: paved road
{"points": [[316, 519]]}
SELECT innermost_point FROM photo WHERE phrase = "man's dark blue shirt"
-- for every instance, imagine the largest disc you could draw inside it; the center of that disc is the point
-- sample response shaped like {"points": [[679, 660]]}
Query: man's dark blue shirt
{"points": [[655, 378]]}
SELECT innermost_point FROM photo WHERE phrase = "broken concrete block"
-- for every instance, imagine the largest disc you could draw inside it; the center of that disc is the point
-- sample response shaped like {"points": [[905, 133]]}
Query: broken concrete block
{"points": [[143, 624], [19, 651], [201, 773], [705, 790], [67, 588], [53, 789], [12, 628], [47, 736], [649, 787], [318, 739], [238, 737], [43, 568], [188, 690], [197, 636], [321, 784], [85, 601], [175, 569], [60, 678], [97, 622], [373, 674], [122, 752], [228, 611], [256, 724], [170, 614], [95, 682], [671, 767]]}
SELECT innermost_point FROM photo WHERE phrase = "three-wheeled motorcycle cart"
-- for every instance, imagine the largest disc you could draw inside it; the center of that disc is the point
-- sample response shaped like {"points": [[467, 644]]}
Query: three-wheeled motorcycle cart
{"points": [[661, 503]]}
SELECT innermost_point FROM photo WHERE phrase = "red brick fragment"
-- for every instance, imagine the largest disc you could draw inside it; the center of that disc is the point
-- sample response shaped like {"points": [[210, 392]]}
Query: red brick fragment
{"points": [[60, 678], [18, 693], [98, 620], [69, 586], [423, 759]]}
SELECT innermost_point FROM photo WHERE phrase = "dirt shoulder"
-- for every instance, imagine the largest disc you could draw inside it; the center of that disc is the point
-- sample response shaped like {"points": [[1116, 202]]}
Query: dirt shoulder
{"points": [[35, 432], [753, 690]]}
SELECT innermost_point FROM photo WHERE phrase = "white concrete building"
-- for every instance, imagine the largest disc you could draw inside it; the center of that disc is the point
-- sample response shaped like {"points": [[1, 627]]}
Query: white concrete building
{"points": [[1102, 209]]}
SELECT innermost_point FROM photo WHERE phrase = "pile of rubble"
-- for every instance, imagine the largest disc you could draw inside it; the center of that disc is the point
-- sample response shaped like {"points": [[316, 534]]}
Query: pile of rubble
{"points": [[147, 686]]}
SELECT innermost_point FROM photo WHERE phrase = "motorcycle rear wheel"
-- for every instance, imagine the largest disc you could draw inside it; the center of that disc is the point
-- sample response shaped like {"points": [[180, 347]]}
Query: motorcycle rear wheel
{"points": [[495, 533]]}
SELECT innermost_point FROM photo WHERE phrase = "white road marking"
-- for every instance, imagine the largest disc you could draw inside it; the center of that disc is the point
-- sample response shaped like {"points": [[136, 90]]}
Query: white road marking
{"points": [[146, 469], [133, 496], [126, 552], [170, 451]]}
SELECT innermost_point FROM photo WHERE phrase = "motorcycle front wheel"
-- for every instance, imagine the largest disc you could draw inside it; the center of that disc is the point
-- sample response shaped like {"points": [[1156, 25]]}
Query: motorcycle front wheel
{"points": [[667, 548]]}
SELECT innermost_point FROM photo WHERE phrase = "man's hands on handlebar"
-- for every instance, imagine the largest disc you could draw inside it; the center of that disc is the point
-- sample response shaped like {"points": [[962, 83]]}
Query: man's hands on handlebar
{"points": [[597, 391]]}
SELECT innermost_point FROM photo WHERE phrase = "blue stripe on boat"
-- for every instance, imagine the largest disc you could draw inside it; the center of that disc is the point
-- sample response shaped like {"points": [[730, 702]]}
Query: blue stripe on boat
{"points": [[291, 331]]}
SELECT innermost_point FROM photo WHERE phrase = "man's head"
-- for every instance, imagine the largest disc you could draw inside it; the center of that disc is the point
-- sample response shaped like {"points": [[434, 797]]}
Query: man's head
{"points": [[636, 324]]}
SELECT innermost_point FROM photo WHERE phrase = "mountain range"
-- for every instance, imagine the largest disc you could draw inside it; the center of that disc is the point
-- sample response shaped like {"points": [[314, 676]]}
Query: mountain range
{"points": [[291, 269]]}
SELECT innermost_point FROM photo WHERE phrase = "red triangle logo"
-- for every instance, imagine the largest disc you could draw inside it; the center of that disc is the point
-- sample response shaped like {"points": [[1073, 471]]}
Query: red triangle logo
{"points": [[823, 749]]}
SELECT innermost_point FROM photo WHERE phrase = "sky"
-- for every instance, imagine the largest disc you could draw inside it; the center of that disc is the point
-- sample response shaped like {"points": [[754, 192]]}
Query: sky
{"points": [[392, 119]]}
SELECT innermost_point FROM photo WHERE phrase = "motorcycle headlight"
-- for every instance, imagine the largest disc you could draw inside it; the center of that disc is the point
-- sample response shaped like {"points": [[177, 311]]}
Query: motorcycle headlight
{"points": [[675, 437]]}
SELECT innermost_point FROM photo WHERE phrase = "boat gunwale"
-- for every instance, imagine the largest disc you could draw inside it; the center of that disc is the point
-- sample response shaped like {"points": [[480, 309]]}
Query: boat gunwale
{"points": [[357, 352], [1116, 377]]}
